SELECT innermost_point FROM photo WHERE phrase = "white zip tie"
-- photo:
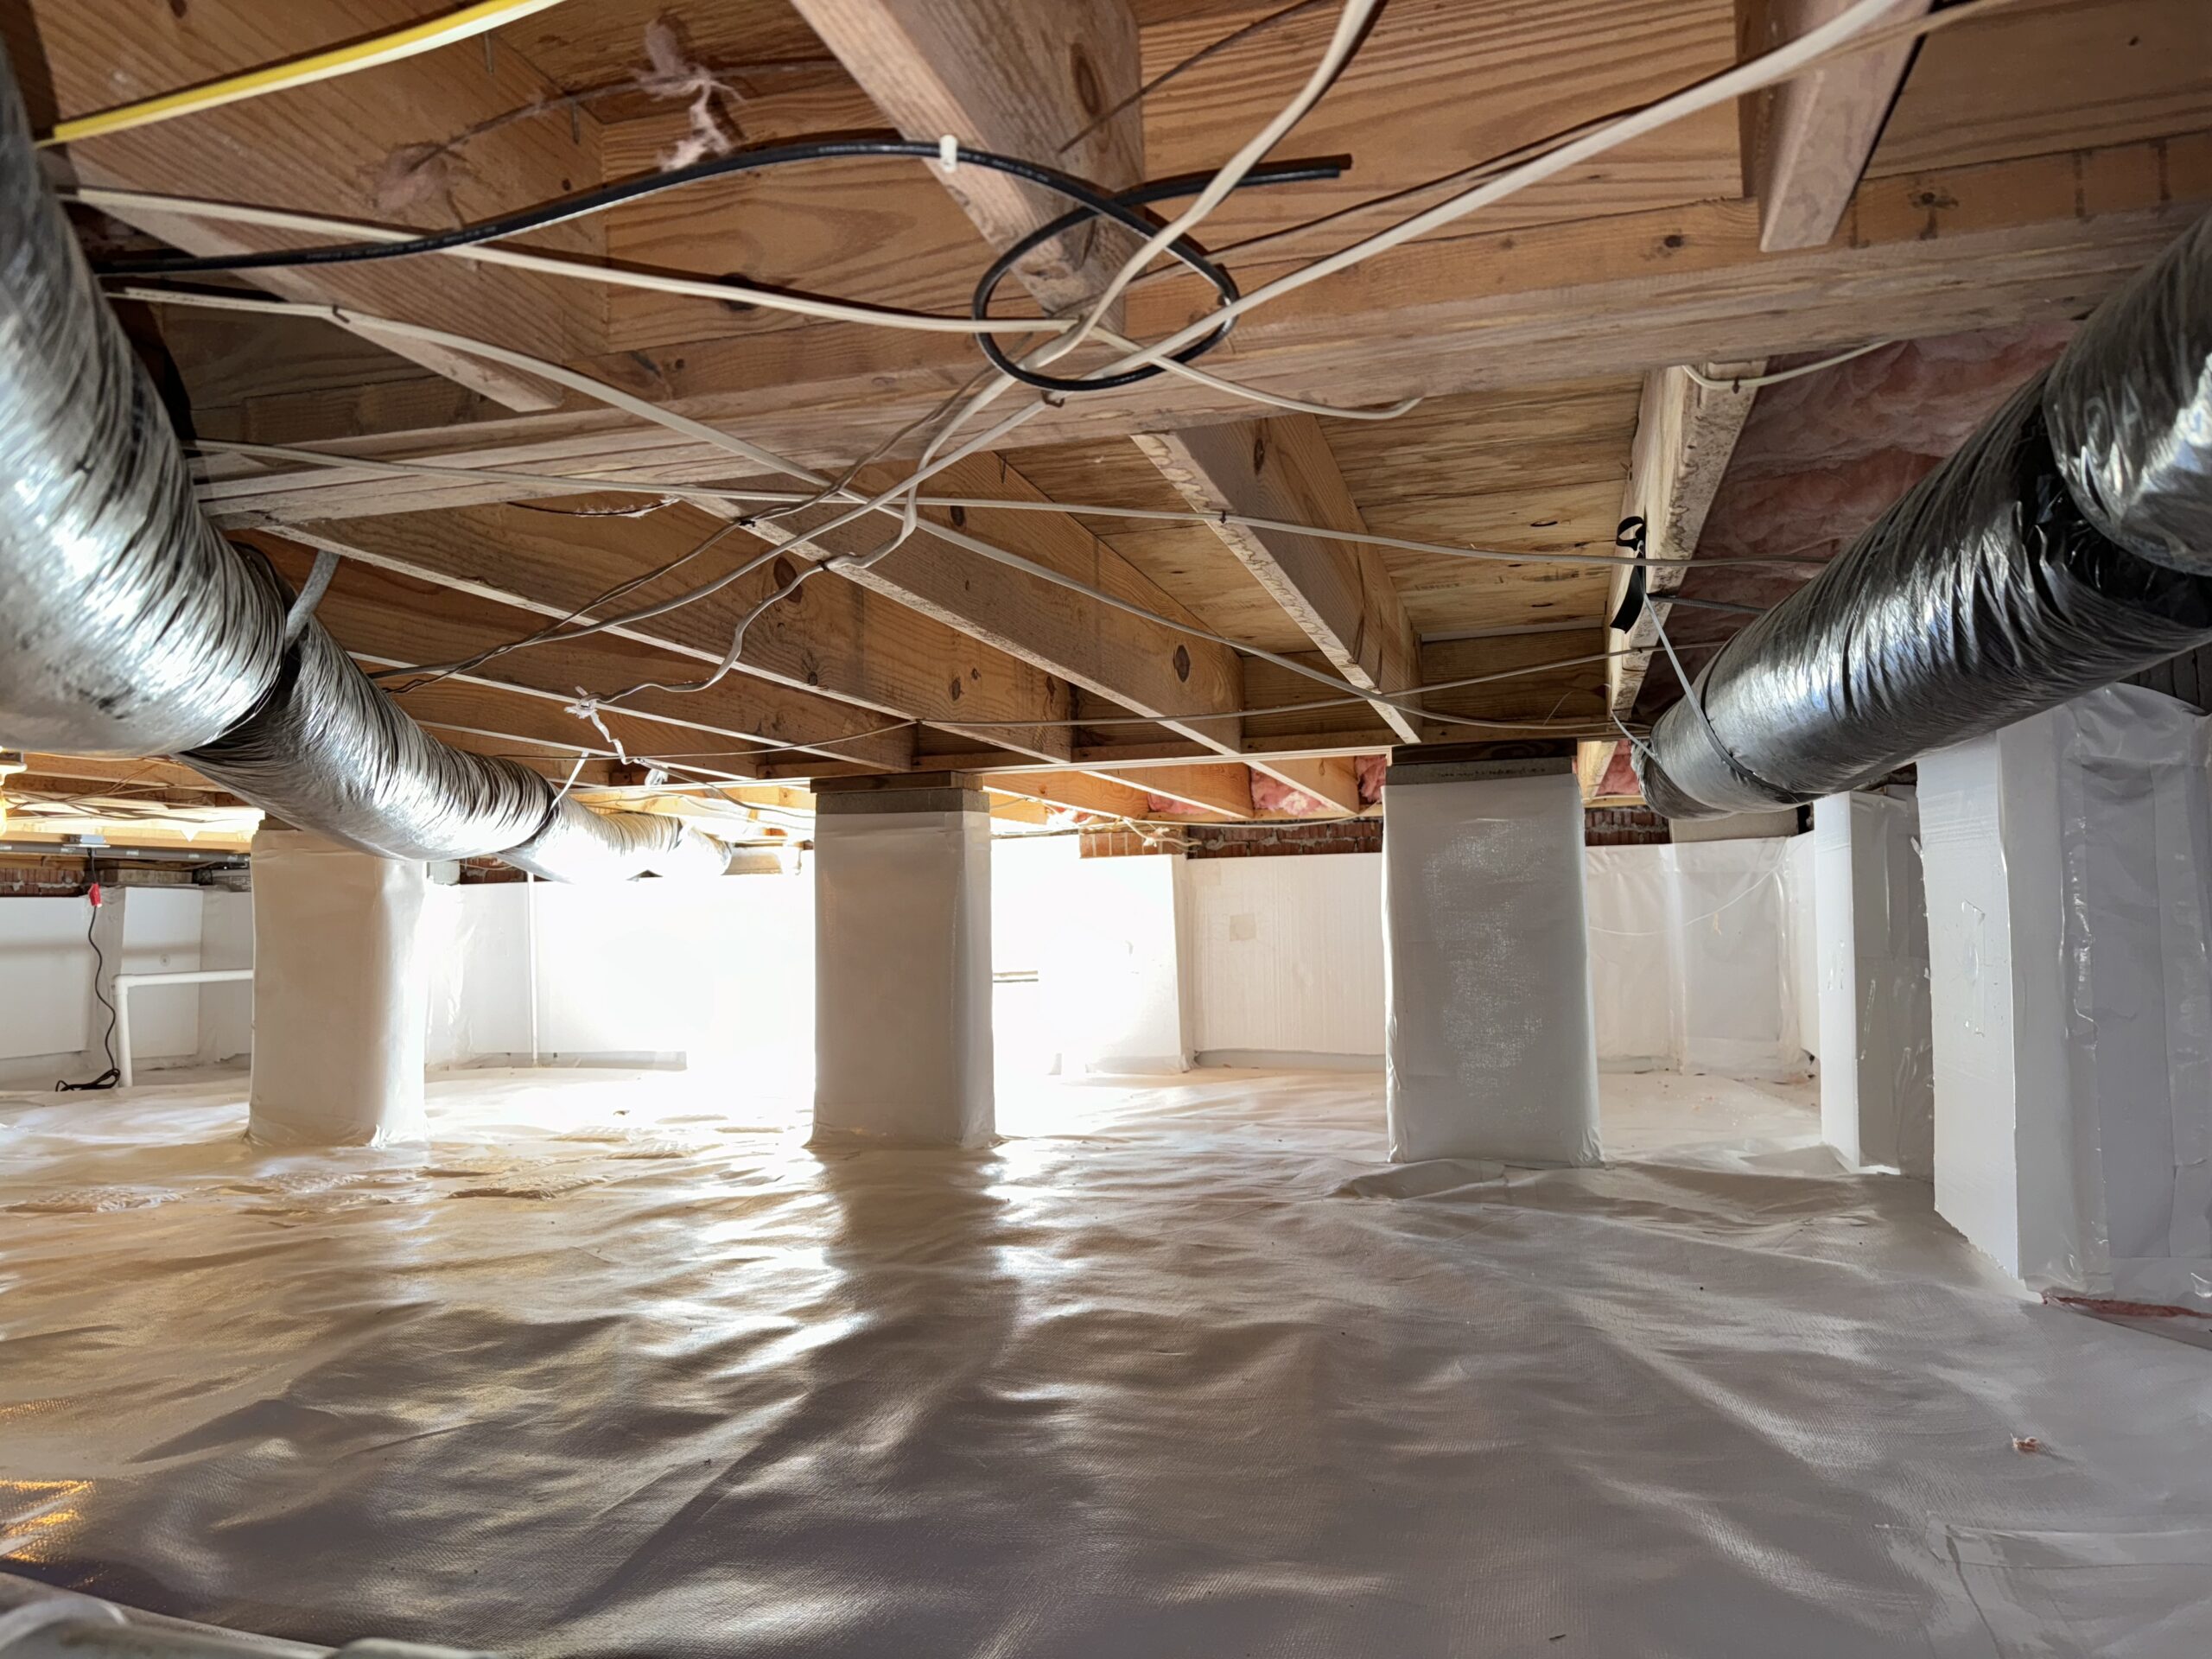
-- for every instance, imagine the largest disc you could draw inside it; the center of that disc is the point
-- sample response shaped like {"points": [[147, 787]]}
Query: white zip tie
{"points": [[586, 707], [948, 153]]}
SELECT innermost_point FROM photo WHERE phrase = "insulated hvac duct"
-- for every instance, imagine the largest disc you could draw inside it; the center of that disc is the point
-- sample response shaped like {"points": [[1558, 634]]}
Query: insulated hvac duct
{"points": [[129, 626], [2066, 545]]}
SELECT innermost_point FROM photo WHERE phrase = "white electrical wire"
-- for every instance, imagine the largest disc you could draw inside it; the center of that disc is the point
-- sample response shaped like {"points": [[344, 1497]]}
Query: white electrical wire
{"points": [[554, 264], [1351, 23], [577, 270], [1752, 382], [219, 494], [1748, 76]]}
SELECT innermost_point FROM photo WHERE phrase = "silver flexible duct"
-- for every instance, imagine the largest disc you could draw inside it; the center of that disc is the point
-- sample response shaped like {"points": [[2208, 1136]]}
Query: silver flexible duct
{"points": [[129, 626], [2066, 545]]}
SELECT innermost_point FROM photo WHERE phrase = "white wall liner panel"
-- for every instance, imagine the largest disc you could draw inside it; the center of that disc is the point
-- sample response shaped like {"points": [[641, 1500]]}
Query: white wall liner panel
{"points": [[1801, 940], [340, 995], [46, 989], [1878, 1082], [161, 935], [1488, 1041], [902, 1019], [225, 1009], [1286, 957], [1689, 959], [1112, 968], [1634, 963], [1729, 920], [2067, 864]]}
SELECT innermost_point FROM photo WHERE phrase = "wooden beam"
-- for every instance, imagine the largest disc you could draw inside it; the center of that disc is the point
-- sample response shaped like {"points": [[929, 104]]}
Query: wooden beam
{"points": [[1226, 789], [1158, 671], [1080, 790], [831, 637], [496, 712], [365, 145], [1685, 433], [1339, 593], [1807, 141], [398, 620], [551, 760], [1331, 779], [166, 774], [1993, 244], [1018, 78]]}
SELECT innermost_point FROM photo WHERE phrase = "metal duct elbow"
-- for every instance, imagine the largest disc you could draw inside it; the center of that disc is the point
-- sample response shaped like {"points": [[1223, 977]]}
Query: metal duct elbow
{"points": [[129, 626], [1993, 589]]}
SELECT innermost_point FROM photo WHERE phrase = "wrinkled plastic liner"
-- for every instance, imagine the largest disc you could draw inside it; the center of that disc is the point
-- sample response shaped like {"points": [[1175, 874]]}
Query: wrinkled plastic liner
{"points": [[619, 1367]]}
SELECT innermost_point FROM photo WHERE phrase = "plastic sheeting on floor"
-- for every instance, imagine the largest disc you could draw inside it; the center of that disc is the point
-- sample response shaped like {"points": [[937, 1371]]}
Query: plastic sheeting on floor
{"points": [[618, 1367]]}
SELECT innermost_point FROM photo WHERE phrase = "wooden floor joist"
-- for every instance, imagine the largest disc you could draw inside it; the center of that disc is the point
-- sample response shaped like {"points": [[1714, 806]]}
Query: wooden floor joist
{"points": [[1997, 180]]}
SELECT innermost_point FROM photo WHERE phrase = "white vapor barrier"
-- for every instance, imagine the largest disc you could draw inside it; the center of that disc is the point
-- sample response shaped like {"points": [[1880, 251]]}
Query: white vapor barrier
{"points": [[1488, 1040], [902, 985], [1635, 966], [1286, 957], [225, 1009], [340, 995], [51, 1022], [1878, 1081], [1689, 961], [1109, 962], [2068, 860], [616, 1367], [1800, 942], [1728, 918]]}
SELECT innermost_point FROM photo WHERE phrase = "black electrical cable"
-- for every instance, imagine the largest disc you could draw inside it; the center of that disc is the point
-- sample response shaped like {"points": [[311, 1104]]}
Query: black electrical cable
{"points": [[113, 1074], [1092, 202], [979, 305]]}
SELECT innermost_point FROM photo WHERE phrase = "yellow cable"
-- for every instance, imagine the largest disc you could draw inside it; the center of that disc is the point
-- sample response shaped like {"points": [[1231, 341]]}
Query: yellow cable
{"points": [[427, 35]]}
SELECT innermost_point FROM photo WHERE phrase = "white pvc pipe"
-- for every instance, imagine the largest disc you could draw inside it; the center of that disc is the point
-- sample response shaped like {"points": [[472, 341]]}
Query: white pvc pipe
{"points": [[125, 982]]}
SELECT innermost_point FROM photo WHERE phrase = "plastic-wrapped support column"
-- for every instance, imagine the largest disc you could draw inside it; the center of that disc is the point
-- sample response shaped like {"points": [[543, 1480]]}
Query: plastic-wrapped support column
{"points": [[127, 626], [902, 965], [339, 995], [1489, 1041], [1992, 590], [2069, 863]]}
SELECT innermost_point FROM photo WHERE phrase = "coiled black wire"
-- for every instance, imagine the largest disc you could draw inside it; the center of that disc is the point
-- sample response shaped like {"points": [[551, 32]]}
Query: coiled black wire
{"points": [[1091, 202]]}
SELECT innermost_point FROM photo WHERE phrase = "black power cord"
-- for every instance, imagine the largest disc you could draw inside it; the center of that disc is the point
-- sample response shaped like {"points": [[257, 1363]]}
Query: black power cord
{"points": [[1092, 202], [113, 1074]]}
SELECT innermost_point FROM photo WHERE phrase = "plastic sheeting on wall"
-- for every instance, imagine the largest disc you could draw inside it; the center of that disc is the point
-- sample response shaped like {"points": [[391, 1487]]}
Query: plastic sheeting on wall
{"points": [[1801, 942], [1286, 959], [2068, 859], [1877, 1083], [1689, 958], [1635, 973], [1110, 965], [902, 1010], [1488, 1048], [339, 995]]}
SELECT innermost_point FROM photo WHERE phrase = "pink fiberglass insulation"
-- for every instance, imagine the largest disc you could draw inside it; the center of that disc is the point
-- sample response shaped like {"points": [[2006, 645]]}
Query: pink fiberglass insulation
{"points": [[1272, 795], [1823, 457], [1371, 768]]}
